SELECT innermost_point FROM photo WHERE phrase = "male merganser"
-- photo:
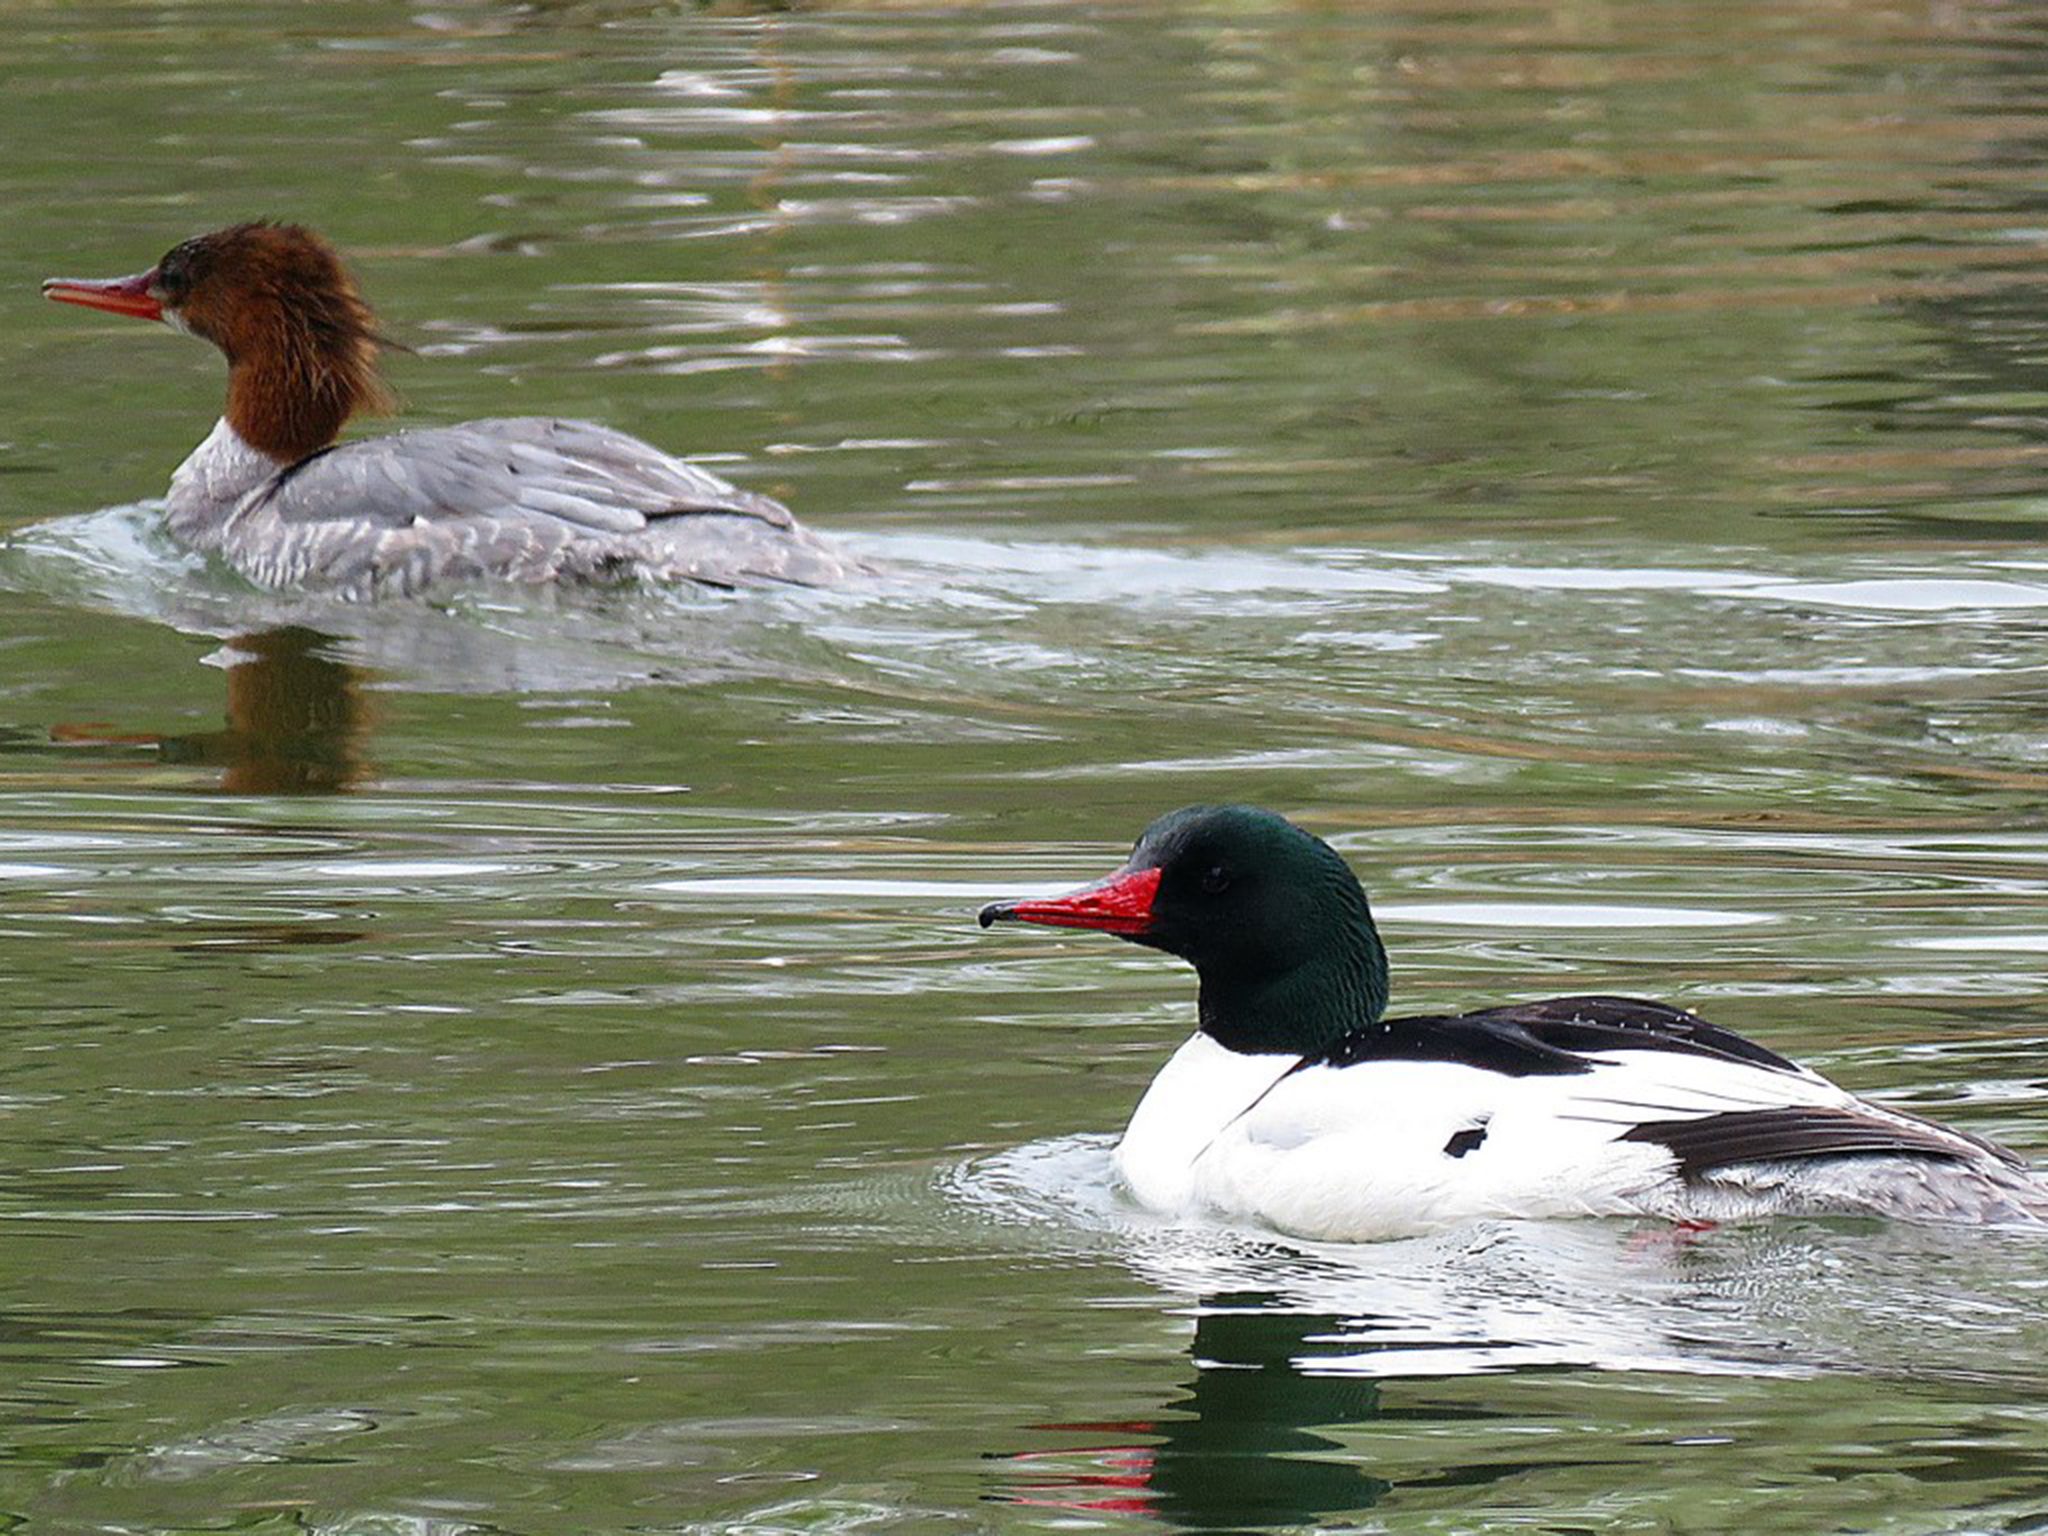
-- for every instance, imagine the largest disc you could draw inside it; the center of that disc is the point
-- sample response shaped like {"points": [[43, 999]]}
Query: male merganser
{"points": [[521, 498], [1296, 1104]]}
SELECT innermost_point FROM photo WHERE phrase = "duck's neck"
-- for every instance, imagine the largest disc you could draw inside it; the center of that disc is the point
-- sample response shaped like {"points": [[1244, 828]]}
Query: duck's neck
{"points": [[287, 402], [298, 369], [1301, 1011]]}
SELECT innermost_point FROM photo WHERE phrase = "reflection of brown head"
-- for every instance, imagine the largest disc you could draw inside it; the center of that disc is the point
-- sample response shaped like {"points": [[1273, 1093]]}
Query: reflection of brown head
{"points": [[296, 721], [300, 342], [297, 718]]}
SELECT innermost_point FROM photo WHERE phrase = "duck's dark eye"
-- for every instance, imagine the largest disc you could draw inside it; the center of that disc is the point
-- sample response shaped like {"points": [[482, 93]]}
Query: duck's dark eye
{"points": [[174, 272], [1215, 880]]}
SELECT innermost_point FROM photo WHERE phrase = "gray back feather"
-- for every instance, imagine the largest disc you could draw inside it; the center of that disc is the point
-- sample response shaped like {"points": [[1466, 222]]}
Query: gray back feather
{"points": [[525, 498]]}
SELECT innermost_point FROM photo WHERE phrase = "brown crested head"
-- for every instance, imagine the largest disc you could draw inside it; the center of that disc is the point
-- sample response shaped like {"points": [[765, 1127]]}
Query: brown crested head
{"points": [[300, 342]]}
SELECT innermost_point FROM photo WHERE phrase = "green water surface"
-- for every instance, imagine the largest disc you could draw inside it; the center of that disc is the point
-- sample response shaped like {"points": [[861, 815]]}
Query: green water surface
{"points": [[517, 1064]]}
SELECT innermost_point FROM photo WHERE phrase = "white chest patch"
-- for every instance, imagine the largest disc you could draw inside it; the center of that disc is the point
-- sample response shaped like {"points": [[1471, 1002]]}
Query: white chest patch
{"points": [[211, 483], [1194, 1099]]}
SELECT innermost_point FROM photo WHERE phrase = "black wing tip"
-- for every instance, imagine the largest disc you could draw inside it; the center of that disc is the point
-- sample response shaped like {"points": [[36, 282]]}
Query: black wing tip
{"points": [[1803, 1133]]}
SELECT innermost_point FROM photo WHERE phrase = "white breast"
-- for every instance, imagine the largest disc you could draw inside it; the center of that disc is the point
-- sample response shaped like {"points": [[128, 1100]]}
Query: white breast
{"points": [[1196, 1096], [211, 483]]}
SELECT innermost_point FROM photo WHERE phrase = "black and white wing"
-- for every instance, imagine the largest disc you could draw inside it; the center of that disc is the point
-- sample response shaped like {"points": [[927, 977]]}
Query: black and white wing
{"points": [[1552, 1036], [1593, 1105]]}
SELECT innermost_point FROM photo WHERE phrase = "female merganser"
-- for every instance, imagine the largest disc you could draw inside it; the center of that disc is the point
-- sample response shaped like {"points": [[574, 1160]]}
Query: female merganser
{"points": [[521, 498], [1298, 1105]]}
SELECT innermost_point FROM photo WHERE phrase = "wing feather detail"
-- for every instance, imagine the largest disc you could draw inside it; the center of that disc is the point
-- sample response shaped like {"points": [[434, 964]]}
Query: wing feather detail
{"points": [[1796, 1132], [525, 499], [1553, 1036], [577, 471]]}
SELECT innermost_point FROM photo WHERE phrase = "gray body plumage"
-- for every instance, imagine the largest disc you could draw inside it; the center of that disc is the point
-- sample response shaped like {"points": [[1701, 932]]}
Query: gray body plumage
{"points": [[525, 499], [1856, 1158], [1984, 1192]]}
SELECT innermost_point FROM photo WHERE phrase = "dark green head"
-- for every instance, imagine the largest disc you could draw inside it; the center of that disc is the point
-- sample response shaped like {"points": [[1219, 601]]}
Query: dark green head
{"points": [[1272, 919]]}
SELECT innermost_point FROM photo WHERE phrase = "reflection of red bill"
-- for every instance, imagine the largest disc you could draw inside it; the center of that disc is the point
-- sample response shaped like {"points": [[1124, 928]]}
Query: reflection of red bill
{"points": [[1091, 1490]]}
